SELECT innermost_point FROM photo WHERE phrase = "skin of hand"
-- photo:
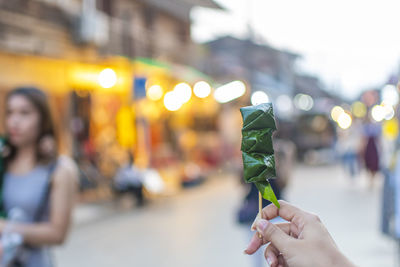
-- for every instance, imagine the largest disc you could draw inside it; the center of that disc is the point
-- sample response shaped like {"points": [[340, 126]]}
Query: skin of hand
{"points": [[302, 241]]}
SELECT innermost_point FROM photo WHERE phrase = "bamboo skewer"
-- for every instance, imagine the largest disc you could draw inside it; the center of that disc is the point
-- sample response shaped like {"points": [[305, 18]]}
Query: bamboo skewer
{"points": [[260, 204], [260, 210]]}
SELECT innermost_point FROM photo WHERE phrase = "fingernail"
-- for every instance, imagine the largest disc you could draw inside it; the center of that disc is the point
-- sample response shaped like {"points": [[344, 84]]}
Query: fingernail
{"points": [[269, 261], [261, 225]]}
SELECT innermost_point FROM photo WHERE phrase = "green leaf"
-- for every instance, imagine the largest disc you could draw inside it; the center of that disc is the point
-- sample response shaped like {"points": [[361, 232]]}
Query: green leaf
{"points": [[257, 148], [258, 167], [258, 141], [267, 192], [258, 117]]}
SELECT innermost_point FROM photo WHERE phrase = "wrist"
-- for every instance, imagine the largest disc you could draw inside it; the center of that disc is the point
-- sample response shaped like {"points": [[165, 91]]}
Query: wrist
{"points": [[339, 259]]}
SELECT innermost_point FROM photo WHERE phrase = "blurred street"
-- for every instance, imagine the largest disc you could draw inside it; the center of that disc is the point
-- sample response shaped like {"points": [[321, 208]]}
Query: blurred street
{"points": [[197, 227], [150, 116]]}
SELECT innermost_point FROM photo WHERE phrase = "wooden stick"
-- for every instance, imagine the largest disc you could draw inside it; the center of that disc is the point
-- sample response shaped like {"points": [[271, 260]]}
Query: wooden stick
{"points": [[260, 204], [260, 209]]}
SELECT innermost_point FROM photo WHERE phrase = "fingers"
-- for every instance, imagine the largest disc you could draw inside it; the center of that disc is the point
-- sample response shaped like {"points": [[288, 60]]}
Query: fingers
{"points": [[254, 245], [286, 211], [253, 225], [256, 242], [281, 261], [274, 234], [271, 255]]}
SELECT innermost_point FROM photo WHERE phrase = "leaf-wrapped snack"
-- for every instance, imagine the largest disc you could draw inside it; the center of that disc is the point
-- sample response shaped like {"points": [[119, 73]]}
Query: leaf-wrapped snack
{"points": [[257, 149], [258, 141]]}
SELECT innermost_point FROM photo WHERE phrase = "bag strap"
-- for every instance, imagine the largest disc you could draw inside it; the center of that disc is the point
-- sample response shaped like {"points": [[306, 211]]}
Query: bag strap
{"points": [[2, 173], [46, 194]]}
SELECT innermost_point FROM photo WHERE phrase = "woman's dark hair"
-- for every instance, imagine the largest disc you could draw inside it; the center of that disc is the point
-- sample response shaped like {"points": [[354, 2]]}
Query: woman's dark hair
{"points": [[46, 127]]}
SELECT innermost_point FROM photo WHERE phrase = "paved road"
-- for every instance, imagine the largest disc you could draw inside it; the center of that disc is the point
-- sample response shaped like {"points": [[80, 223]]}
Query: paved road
{"points": [[197, 228]]}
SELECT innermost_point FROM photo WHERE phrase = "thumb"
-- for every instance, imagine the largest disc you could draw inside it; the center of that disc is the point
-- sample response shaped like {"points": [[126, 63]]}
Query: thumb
{"points": [[272, 233]]}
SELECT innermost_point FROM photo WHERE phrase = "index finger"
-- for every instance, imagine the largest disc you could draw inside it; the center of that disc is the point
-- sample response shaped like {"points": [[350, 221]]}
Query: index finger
{"points": [[286, 211]]}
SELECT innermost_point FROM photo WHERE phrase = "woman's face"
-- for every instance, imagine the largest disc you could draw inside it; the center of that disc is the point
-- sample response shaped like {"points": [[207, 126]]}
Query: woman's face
{"points": [[22, 121]]}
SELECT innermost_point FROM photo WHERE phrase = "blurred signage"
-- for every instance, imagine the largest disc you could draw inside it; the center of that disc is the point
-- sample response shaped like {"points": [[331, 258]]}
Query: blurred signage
{"points": [[139, 87]]}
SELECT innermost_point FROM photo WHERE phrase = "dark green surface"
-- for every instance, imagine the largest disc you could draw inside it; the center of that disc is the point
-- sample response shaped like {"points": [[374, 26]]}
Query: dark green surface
{"points": [[257, 148]]}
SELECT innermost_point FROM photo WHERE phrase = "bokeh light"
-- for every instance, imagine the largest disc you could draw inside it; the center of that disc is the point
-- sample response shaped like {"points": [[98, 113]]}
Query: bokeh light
{"points": [[107, 78], [229, 92], [284, 104], [344, 121], [390, 129], [183, 92], [359, 109], [172, 101], [259, 97], [155, 92], [378, 113], [388, 111], [390, 95], [202, 89], [303, 102], [336, 112]]}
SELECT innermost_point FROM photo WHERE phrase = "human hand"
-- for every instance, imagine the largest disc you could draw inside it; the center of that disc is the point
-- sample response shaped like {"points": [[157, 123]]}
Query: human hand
{"points": [[303, 241]]}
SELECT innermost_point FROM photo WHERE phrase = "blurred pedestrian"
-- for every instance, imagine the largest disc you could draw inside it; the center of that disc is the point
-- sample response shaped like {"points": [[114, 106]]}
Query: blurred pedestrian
{"points": [[129, 179], [36, 181], [349, 147], [370, 149]]}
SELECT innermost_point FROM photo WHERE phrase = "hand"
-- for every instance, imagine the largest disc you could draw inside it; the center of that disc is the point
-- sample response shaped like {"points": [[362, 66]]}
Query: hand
{"points": [[303, 241]]}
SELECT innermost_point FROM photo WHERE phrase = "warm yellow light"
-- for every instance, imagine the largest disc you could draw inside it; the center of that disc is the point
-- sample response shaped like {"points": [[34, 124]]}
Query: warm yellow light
{"points": [[359, 109], [183, 92], [155, 92], [202, 89], [172, 101], [107, 78], [390, 129], [336, 112], [344, 121]]}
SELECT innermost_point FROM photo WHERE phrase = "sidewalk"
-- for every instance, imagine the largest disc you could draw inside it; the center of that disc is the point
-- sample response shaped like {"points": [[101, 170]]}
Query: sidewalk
{"points": [[349, 209], [197, 228]]}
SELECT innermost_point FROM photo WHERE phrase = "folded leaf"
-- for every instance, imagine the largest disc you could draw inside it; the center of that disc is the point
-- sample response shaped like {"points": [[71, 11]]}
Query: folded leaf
{"points": [[258, 167], [258, 141], [257, 149], [258, 117]]}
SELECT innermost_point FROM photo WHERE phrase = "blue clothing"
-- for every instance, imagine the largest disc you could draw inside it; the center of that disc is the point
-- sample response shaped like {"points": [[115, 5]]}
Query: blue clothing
{"points": [[128, 176], [26, 192]]}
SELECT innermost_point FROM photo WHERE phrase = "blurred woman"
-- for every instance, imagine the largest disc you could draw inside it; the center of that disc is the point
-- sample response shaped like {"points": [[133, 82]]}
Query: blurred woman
{"points": [[370, 151], [36, 181]]}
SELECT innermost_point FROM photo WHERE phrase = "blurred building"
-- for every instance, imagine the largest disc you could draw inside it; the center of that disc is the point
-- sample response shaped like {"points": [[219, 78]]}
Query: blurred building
{"points": [[264, 67], [95, 58], [74, 28]]}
